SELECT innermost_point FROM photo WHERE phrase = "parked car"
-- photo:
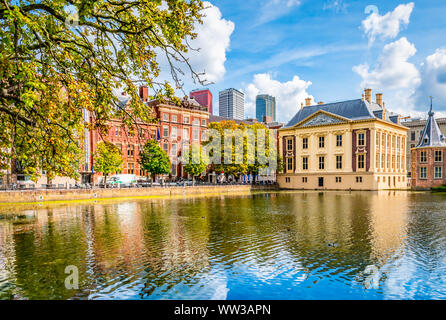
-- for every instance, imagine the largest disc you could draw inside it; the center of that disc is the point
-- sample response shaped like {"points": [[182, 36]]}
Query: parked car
{"points": [[24, 182]]}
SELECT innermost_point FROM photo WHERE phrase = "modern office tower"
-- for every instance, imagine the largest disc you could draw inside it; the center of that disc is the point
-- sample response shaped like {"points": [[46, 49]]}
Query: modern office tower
{"points": [[265, 106], [204, 98], [232, 104]]}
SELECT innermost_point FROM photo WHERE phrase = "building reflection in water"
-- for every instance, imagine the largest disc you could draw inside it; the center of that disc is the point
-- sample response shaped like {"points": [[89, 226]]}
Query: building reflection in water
{"points": [[288, 245]]}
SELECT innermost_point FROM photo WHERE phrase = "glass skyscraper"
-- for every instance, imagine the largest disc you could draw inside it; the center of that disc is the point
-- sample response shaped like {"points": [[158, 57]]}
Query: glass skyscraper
{"points": [[232, 104], [265, 106]]}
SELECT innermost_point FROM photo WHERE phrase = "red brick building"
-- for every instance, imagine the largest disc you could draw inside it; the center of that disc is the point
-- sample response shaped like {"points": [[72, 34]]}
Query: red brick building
{"points": [[428, 157], [176, 129]]}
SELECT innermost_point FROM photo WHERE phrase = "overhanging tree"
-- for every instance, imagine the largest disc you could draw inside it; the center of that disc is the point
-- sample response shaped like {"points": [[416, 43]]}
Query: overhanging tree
{"points": [[153, 159], [54, 64], [107, 159]]}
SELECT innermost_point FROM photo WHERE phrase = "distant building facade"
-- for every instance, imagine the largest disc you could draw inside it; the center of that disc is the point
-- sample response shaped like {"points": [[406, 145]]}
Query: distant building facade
{"points": [[265, 107], [232, 104], [428, 157], [176, 129], [349, 145], [416, 128], [204, 98]]}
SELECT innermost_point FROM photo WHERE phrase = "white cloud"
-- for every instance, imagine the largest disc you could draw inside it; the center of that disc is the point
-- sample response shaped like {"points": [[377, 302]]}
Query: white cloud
{"points": [[433, 74], [214, 37], [274, 9], [393, 74], [289, 95], [389, 25]]}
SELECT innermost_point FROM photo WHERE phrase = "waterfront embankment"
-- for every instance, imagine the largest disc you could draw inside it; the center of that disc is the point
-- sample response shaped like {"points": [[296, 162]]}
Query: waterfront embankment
{"points": [[30, 196]]}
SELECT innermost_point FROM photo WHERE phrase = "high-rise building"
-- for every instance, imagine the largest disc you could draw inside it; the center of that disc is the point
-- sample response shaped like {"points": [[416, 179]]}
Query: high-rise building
{"points": [[204, 98], [232, 104], [265, 107]]}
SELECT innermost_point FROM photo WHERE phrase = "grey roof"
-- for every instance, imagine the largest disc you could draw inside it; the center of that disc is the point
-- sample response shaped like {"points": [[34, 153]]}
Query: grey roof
{"points": [[432, 136], [213, 118], [352, 109]]}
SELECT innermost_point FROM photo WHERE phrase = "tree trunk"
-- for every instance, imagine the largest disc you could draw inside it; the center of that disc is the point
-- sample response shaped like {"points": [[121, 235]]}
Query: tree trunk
{"points": [[193, 180], [153, 179], [105, 181]]}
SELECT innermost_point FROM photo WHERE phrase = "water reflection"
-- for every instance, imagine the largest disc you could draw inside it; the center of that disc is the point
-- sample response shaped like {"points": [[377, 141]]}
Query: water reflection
{"points": [[287, 245]]}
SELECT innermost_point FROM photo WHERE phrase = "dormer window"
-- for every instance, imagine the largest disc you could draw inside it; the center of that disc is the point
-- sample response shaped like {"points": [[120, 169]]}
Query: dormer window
{"points": [[426, 140]]}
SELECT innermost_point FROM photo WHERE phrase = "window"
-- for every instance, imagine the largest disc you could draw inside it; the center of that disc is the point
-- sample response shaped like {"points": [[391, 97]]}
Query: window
{"points": [[378, 161], [378, 138], [361, 139], [118, 131], [289, 145], [412, 136], [142, 133], [186, 134], [305, 163], [174, 132], [165, 117], [412, 145], [290, 164], [203, 123], [197, 122], [338, 162], [423, 156], [166, 147], [338, 179], [339, 140], [186, 120], [196, 134], [438, 156], [204, 135], [174, 118], [361, 161], [165, 131], [174, 169], [305, 143], [321, 163], [287, 180], [358, 179], [131, 150], [174, 150], [131, 168], [438, 172], [304, 180], [423, 173], [321, 142]]}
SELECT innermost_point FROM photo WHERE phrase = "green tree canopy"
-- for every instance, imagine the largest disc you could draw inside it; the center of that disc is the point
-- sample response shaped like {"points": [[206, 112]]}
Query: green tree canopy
{"points": [[107, 159], [153, 159], [59, 57], [245, 155], [196, 161]]}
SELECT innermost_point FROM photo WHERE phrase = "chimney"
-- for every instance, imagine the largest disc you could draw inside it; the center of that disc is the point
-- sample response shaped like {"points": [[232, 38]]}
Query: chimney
{"points": [[144, 93], [320, 103], [379, 99], [308, 102], [368, 95], [301, 106], [363, 97]]}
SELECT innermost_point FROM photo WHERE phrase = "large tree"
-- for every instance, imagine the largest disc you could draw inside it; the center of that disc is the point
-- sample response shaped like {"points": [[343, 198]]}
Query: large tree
{"points": [[196, 161], [59, 57], [107, 159], [153, 159], [245, 145]]}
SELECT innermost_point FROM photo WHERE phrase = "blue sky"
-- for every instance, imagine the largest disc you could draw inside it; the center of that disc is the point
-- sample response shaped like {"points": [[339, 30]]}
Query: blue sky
{"points": [[324, 43]]}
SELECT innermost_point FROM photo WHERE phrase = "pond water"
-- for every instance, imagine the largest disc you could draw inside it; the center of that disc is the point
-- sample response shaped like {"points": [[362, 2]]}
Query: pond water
{"points": [[280, 245]]}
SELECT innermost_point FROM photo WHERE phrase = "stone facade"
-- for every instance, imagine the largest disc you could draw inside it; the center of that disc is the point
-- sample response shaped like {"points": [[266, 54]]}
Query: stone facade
{"points": [[327, 151]]}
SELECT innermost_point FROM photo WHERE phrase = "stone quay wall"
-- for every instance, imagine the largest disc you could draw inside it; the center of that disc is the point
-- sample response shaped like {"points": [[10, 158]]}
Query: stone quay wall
{"points": [[28, 196]]}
